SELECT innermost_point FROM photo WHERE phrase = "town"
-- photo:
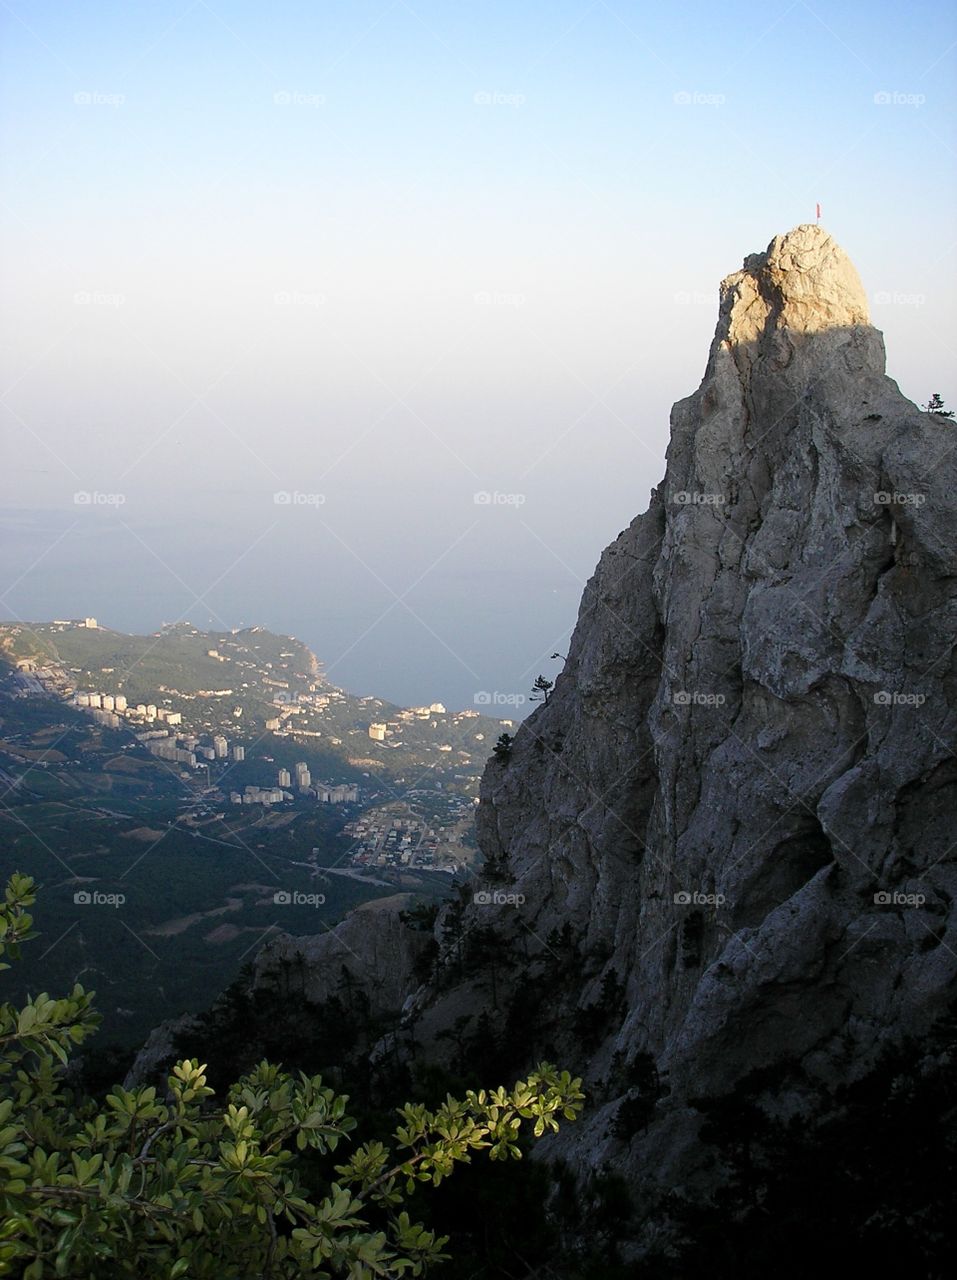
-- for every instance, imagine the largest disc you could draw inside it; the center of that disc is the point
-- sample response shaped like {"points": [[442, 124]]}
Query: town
{"points": [[406, 796]]}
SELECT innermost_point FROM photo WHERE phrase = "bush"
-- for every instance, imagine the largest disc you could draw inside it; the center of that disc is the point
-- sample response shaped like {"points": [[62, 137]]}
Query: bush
{"points": [[181, 1186]]}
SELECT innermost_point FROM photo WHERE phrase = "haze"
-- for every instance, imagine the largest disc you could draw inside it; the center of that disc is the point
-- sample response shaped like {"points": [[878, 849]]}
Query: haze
{"points": [[381, 258]]}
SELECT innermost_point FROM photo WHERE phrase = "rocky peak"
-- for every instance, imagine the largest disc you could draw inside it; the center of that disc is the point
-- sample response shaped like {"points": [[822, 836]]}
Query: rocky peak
{"points": [[739, 797], [804, 282]]}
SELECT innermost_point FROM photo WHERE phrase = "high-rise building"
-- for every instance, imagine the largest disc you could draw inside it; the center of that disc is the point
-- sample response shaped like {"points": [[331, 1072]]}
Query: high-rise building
{"points": [[284, 778], [109, 702], [239, 753], [119, 702], [377, 732], [220, 746]]}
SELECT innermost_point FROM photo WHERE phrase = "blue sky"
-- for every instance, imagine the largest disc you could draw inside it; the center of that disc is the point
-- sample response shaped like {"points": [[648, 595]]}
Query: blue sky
{"points": [[396, 254]]}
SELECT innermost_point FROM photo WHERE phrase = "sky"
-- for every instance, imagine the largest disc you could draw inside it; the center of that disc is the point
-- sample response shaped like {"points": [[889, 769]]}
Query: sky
{"points": [[362, 321]]}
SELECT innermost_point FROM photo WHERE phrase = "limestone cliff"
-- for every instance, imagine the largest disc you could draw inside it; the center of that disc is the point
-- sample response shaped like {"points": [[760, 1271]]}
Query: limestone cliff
{"points": [[741, 793]]}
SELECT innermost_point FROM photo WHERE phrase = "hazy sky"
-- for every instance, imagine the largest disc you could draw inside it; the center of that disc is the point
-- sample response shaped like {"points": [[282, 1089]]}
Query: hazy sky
{"points": [[382, 257]]}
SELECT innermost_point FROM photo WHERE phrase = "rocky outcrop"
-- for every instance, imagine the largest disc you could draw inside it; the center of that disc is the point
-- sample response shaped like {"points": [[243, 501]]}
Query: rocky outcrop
{"points": [[371, 947], [162, 1049], [368, 959], [741, 793]]}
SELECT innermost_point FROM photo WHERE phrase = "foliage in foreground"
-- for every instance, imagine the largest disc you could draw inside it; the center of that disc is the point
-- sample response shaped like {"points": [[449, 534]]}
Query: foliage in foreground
{"points": [[178, 1186]]}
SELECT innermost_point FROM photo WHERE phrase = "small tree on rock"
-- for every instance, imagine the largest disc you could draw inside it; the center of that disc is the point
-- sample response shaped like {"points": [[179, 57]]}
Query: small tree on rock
{"points": [[935, 405], [541, 689]]}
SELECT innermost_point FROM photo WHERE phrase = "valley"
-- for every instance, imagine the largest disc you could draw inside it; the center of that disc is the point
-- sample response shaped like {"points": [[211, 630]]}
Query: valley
{"points": [[163, 873]]}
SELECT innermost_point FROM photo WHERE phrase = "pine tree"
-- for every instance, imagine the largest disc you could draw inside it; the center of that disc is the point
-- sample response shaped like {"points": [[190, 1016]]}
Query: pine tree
{"points": [[935, 405]]}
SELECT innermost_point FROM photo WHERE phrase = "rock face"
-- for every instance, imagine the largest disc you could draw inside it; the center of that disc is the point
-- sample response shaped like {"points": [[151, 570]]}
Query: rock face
{"points": [[371, 944], [372, 949], [742, 792]]}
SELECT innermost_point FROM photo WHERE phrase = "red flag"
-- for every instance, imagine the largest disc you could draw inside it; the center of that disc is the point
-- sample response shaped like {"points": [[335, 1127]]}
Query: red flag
{"points": [[819, 213]]}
